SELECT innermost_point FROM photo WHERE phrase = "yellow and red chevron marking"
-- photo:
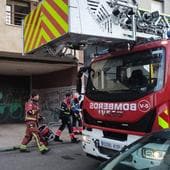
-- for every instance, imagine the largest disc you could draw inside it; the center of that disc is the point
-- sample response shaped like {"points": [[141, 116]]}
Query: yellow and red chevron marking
{"points": [[46, 23], [163, 119]]}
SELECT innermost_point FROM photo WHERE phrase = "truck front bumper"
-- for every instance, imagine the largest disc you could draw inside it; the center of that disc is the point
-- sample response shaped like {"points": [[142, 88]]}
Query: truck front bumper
{"points": [[95, 144]]}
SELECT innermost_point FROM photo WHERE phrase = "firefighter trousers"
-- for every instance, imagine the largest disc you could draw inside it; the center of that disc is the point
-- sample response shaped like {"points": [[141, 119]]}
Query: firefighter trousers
{"points": [[66, 121], [33, 131], [77, 119]]}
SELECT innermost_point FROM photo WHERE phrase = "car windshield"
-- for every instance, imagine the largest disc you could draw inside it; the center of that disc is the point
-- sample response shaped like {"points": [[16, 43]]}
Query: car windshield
{"points": [[141, 71], [150, 154]]}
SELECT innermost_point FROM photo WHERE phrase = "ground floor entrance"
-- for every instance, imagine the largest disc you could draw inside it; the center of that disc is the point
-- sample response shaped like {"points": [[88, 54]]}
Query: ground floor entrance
{"points": [[51, 77]]}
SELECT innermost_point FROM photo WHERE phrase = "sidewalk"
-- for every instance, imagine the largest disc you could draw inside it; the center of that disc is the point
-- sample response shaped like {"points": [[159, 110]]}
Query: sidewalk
{"points": [[12, 134]]}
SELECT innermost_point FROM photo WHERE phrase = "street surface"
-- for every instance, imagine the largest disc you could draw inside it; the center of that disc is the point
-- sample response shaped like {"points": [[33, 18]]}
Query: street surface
{"points": [[65, 156]]}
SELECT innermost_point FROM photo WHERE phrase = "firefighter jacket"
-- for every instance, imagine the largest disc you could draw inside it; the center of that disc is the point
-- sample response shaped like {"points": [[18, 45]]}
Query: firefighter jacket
{"points": [[75, 106], [65, 107], [32, 111]]}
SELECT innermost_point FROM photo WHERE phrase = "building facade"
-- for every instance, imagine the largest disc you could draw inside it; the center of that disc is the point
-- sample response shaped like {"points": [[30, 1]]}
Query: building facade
{"points": [[51, 76], [20, 74]]}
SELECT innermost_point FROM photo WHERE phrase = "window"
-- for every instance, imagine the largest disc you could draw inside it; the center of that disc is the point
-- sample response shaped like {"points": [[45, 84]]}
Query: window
{"points": [[8, 14], [16, 11], [142, 71], [157, 6], [127, 77]]}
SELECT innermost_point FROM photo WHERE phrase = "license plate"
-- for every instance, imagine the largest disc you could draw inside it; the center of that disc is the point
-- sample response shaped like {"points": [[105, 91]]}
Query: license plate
{"points": [[111, 145], [106, 144]]}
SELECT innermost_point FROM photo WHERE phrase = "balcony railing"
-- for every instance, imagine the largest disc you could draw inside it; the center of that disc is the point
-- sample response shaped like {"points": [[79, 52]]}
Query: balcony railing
{"points": [[14, 18]]}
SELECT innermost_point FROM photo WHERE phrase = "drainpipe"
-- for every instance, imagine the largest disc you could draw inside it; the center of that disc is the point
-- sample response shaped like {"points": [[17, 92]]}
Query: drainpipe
{"points": [[22, 36]]}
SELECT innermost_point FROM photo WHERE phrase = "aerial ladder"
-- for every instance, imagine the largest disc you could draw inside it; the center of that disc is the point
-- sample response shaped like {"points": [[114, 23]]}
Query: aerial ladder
{"points": [[55, 27]]}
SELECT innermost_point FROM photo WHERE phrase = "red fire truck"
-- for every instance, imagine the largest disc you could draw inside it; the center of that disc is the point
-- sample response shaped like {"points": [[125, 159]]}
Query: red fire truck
{"points": [[127, 95]]}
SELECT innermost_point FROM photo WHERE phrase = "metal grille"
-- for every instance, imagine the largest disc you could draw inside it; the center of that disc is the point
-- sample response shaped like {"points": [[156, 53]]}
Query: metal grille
{"points": [[143, 125], [16, 12], [109, 152]]}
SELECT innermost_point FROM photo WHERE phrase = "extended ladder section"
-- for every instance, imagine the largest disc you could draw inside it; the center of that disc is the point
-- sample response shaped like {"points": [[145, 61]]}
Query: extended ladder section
{"points": [[57, 24]]}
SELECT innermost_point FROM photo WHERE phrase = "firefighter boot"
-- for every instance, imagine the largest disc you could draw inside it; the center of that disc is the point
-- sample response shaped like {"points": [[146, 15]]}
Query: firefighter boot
{"points": [[74, 130], [23, 148], [75, 140], [80, 130], [57, 136], [43, 149], [57, 139]]}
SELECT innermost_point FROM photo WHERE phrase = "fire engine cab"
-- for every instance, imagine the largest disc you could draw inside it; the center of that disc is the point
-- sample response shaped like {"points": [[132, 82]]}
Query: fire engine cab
{"points": [[127, 91]]}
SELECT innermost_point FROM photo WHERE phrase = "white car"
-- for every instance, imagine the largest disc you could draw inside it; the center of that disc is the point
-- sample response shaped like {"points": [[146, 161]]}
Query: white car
{"points": [[152, 152]]}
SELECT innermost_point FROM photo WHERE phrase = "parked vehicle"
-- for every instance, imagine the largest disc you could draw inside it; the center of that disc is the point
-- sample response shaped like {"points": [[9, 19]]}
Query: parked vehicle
{"points": [[152, 152], [127, 91]]}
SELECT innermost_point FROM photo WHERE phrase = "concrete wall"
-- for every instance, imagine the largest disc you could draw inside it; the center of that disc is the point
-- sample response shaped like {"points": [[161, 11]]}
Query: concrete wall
{"points": [[14, 92], [145, 4], [10, 35], [56, 79], [52, 88], [167, 7], [50, 100]]}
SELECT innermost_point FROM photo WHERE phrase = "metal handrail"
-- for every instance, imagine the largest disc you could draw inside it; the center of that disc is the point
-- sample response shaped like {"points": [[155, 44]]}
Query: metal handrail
{"points": [[14, 18]]}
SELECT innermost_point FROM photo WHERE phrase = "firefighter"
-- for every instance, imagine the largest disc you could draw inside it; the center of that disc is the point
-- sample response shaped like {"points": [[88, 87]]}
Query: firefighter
{"points": [[32, 116], [76, 114], [65, 117]]}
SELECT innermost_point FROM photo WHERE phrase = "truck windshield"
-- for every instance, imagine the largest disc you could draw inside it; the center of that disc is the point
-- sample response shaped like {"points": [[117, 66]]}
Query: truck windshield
{"points": [[140, 72]]}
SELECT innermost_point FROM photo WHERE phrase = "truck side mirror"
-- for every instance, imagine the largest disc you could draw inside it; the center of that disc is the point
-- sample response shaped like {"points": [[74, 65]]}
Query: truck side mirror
{"points": [[79, 76]]}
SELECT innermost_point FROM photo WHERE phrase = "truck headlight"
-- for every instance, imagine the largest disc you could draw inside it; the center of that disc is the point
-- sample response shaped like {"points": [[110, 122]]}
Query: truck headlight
{"points": [[149, 153], [86, 138]]}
